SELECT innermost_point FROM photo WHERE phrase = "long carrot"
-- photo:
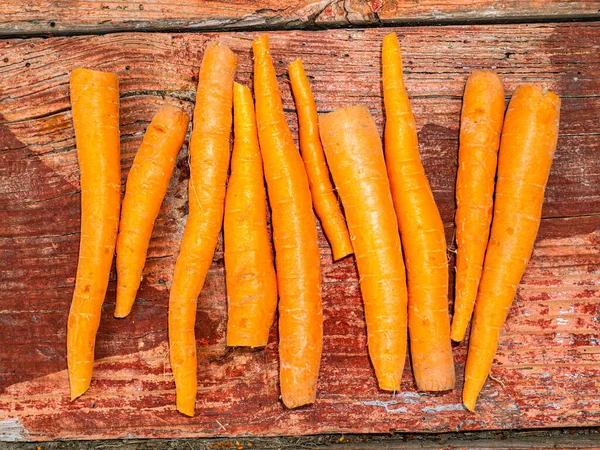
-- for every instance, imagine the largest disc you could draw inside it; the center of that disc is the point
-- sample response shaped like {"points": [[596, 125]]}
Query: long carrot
{"points": [[325, 201], [422, 233], [95, 105], [355, 157], [250, 275], [295, 238], [209, 161], [529, 138], [480, 128], [147, 185]]}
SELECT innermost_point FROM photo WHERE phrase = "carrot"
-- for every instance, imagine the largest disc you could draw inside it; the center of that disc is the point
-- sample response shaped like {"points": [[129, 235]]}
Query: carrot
{"points": [[295, 238], [250, 275], [95, 106], [325, 201], [529, 138], [480, 128], [355, 157], [147, 185], [421, 231], [209, 161]]}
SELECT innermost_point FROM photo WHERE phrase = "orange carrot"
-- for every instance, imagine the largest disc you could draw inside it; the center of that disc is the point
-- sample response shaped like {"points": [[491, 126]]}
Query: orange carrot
{"points": [[529, 138], [480, 128], [147, 184], [209, 161], [355, 156], [325, 201], [250, 275], [95, 105], [295, 238], [422, 233]]}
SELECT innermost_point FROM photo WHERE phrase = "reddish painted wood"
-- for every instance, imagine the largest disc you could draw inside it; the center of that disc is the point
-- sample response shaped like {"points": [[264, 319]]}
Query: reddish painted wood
{"points": [[548, 360], [100, 16]]}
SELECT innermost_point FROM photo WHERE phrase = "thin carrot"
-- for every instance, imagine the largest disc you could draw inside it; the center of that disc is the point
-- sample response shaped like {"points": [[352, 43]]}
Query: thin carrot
{"points": [[209, 161], [95, 105], [480, 128], [529, 138], [422, 233], [355, 157], [325, 201], [295, 238], [250, 275], [147, 185]]}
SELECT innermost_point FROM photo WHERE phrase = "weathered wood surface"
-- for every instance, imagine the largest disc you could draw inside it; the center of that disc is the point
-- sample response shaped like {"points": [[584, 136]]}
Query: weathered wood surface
{"points": [[99, 16], [546, 439], [548, 364]]}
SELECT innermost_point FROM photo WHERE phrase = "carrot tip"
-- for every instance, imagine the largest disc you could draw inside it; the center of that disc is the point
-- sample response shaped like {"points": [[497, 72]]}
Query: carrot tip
{"points": [[457, 335], [469, 404], [78, 391], [188, 410]]}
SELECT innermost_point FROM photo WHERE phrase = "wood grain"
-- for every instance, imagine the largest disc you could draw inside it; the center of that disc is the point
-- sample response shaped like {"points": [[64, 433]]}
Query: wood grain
{"points": [[548, 364], [100, 16]]}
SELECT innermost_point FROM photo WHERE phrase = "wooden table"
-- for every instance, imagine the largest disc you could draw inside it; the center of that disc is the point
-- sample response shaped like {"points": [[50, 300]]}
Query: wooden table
{"points": [[547, 370]]}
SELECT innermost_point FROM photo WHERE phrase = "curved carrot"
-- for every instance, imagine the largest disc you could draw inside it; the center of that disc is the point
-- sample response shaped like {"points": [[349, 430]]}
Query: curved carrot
{"points": [[480, 128], [250, 275], [147, 185], [95, 105], [422, 233], [325, 201], [355, 156], [295, 238], [209, 161], [529, 138]]}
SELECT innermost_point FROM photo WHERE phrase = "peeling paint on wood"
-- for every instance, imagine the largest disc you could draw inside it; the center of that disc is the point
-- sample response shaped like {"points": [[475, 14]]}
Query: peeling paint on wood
{"points": [[11, 430], [546, 373]]}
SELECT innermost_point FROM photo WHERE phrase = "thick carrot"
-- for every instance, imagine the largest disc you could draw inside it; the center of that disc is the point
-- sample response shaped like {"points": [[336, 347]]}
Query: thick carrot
{"points": [[95, 105], [422, 233], [355, 157], [147, 185], [325, 201], [480, 128], [209, 161], [250, 275], [529, 138], [295, 238]]}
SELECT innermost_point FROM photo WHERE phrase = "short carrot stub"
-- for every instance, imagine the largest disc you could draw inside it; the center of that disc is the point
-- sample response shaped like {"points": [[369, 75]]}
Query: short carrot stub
{"points": [[297, 256], [529, 138], [249, 270], [146, 187], [95, 106], [325, 201], [480, 127], [353, 148], [421, 231], [209, 162]]}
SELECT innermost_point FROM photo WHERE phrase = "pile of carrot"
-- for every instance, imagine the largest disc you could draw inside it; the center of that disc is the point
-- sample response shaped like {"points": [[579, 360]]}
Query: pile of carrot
{"points": [[372, 200]]}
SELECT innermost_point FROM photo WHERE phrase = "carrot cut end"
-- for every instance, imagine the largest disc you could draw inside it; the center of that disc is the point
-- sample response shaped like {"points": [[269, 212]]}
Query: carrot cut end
{"points": [[341, 253], [297, 402], [388, 384]]}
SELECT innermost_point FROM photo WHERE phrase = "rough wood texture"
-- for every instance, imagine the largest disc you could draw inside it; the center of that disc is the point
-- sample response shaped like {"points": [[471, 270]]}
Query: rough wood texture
{"points": [[99, 16], [546, 439], [548, 364]]}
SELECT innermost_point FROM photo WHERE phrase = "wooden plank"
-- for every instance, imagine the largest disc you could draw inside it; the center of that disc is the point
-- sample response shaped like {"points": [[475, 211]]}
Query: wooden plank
{"points": [[99, 16], [578, 438], [548, 361]]}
